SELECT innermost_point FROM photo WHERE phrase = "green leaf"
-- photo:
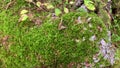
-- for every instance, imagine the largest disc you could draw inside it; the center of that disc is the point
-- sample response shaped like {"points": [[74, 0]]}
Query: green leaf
{"points": [[23, 11], [66, 10], [57, 11], [89, 4]]}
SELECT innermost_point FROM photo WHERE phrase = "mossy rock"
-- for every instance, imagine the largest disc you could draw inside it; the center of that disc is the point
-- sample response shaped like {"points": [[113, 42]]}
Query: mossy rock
{"points": [[59, 46], [47, 45]]}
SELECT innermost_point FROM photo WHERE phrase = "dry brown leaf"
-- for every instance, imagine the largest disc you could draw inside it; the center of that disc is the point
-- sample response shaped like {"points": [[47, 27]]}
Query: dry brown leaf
{"points": [[61, 27]]}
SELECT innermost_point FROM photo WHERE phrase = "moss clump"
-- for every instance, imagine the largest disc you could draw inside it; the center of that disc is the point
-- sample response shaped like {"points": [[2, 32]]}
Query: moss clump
{"points": [[46, 45]]}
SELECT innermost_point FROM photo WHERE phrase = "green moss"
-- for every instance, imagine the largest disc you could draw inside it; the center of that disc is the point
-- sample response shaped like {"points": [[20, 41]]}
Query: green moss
{"points": [[46, 45], [59, 46]]}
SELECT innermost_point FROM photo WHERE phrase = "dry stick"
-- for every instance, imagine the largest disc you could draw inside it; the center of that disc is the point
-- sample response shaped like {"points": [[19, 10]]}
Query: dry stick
{"points": [[9, 4]]}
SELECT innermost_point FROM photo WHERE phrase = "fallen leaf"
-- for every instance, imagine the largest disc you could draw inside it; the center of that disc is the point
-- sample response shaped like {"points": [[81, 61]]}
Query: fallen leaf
{"points": [[38, 4], [23, 17], [24, 11], [61, 27], [49, 6], [66, 10]]}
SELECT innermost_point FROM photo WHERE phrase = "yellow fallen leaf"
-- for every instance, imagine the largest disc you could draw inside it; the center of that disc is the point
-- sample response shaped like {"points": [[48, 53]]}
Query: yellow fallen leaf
{"points": [[66, 10], [50, 6], [23, 11], [38, 4]]}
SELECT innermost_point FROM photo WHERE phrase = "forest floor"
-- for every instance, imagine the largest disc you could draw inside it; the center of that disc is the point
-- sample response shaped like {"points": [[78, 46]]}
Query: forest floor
{"points": [[53, 35]]}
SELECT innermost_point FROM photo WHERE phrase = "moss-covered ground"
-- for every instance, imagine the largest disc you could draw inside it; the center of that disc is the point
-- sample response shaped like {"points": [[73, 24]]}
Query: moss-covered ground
{"points": [[25, 45]]}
